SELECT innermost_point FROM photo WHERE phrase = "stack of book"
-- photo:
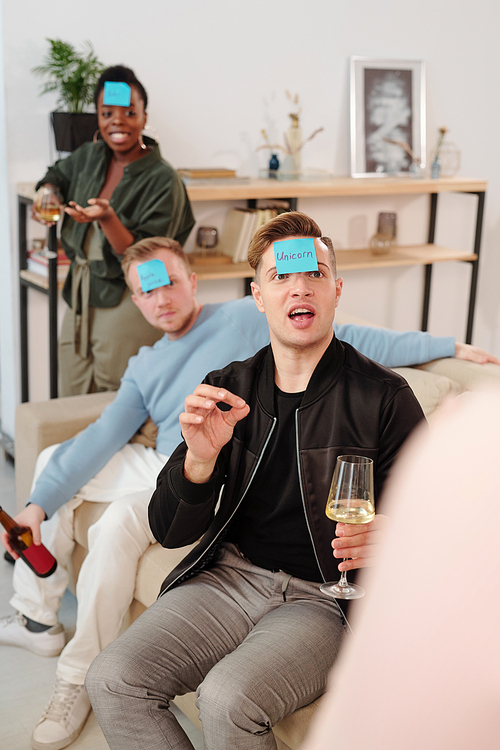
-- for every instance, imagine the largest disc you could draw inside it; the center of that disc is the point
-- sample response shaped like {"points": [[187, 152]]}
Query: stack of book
{"points": [[38, 263], [209, 176], [239, 228]]}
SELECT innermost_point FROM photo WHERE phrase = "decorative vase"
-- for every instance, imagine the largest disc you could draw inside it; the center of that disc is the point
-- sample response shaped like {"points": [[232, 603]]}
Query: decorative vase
{"points": [[294, 136], [435, 168], [288, 169], [274, 165], [416, 170]]}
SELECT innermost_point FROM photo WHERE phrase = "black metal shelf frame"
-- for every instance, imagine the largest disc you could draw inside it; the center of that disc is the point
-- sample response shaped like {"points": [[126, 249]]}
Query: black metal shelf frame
{"points": [[24, 204], [481, 195]]}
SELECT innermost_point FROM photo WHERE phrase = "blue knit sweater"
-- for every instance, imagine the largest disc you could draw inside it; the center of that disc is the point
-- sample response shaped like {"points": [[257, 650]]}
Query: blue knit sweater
{"points": [[158, 379]]}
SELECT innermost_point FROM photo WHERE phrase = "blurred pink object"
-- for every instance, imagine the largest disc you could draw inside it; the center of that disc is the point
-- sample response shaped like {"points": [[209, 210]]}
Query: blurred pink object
{"points": [[423, 668]]}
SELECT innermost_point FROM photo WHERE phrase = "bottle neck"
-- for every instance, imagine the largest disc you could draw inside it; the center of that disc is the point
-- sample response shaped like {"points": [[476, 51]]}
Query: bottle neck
{"points": [[7, 522]]}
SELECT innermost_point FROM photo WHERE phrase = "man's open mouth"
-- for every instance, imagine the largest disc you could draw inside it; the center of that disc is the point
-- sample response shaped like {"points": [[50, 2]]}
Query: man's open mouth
{"points": [[301, 313]]}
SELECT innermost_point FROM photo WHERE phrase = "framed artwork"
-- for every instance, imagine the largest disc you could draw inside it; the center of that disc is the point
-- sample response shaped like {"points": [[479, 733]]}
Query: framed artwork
{"points": [[387, 117]]}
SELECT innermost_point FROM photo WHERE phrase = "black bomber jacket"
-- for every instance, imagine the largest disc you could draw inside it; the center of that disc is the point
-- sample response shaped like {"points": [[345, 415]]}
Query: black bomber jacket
{"points": [[352, 405]]}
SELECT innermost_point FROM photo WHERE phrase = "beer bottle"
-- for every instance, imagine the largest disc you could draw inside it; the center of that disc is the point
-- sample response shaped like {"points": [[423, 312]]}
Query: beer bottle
{"points": [[37, 557]]}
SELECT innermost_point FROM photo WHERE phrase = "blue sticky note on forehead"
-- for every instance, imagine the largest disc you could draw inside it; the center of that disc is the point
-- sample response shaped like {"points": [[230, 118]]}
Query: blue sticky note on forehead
{"points": [[152, 274], [295, 256], [116, 94]]}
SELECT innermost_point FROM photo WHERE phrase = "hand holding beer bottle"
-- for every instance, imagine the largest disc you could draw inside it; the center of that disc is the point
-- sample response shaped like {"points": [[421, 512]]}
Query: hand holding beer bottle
{"points": [[21, 542]]}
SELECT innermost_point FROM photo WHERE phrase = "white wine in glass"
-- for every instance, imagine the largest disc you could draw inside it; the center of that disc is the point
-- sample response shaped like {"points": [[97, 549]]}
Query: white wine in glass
{"points": [[350, 500]]}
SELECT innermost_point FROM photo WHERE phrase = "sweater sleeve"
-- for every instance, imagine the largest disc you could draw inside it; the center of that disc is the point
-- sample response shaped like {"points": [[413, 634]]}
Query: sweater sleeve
{"points": [[76, 461], [393, 348]]}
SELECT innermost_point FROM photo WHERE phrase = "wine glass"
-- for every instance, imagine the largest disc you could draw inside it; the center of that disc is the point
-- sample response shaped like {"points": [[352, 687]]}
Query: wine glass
{"points": [[350, 500], [48, 204]]}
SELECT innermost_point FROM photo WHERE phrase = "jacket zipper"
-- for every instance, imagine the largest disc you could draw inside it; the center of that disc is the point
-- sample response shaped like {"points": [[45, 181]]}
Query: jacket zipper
{"points": [[271, 430], [342, 615]]}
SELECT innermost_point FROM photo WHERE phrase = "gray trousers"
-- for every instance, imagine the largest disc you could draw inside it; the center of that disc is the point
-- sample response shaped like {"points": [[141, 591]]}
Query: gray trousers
{"points": [[227, 633]]}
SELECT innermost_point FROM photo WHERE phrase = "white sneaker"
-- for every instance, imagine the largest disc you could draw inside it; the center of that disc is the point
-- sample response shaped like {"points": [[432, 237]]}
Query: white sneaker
{"points": [[63, 719], [13, 632]]}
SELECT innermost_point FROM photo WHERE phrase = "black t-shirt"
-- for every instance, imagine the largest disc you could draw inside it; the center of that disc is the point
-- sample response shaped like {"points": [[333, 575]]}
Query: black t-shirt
{"points": [[270, 527]]}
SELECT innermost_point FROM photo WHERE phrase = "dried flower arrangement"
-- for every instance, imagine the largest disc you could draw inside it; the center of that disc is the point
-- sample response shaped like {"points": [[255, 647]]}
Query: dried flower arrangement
{"points": [[442, 133], [415, 159], [294, 116]]}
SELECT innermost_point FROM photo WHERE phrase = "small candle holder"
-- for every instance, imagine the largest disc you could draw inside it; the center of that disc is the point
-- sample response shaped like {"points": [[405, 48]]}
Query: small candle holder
{"points": [[207, 247]]}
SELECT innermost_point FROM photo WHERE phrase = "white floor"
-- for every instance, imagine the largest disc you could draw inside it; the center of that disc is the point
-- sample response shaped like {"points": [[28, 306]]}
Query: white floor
{"points": [[26, 679]]}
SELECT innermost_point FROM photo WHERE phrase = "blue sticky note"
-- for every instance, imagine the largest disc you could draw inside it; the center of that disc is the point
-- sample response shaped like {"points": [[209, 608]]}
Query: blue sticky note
{"points": [[116, 94], [295, 256], [152, 274]]}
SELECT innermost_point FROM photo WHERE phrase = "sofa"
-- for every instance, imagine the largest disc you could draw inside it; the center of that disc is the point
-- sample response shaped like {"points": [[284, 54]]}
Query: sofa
{"points": [[41, 424]]}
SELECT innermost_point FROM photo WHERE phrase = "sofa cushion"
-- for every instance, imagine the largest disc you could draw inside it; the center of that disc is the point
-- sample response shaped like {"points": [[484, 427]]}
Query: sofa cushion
{"points": [[154, 566], [429, 388], [43, 423], [469, 375]]}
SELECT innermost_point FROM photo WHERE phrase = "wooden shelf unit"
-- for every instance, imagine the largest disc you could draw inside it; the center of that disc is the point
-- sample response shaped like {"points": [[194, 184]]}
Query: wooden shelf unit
{"points": [[36, 280], [337, 186], [423, 255], [290, 190], [350, 260]]}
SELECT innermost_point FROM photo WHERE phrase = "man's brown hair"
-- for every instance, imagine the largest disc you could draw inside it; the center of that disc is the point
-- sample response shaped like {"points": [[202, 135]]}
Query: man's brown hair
{"points": [[144, 249], [289, 224]]}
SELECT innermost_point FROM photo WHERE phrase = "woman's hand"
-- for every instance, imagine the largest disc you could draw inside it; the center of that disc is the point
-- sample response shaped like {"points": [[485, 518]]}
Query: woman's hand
{"points": [[30, 517], [97, 210], [35, 206], [36, 216]]}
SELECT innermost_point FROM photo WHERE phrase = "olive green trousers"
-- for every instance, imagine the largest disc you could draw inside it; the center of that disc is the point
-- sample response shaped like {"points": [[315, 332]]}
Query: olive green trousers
{"points": [[115, 334]]}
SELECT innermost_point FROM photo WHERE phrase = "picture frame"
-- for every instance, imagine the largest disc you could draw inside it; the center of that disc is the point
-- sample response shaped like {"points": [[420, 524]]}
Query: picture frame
{"points": [[387, 104]]}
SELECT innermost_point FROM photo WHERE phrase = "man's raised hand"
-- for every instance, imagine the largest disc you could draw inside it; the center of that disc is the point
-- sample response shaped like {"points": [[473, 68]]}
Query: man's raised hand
{"points": [[206, 428]]}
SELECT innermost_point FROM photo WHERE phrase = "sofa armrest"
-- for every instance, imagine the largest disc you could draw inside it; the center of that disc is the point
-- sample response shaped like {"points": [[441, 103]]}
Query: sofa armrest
{"points": [[43, 423], [469, 375], [430, 388]]}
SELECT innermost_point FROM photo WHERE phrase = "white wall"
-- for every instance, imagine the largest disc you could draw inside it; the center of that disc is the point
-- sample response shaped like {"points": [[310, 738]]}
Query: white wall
{"points": [[7, 345], [216, 72]]}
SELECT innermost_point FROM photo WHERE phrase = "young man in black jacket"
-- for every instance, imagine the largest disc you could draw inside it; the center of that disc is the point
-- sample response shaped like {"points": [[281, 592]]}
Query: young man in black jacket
{"points": [[242, 619]]}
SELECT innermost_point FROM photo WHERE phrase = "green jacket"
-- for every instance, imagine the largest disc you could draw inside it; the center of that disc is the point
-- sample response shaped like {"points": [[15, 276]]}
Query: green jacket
{"points": [[150, 200]]}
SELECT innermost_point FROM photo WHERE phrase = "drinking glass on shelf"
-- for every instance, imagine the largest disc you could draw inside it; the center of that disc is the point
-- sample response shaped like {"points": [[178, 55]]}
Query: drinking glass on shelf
{"points": [[207, 239], [350, 500]]}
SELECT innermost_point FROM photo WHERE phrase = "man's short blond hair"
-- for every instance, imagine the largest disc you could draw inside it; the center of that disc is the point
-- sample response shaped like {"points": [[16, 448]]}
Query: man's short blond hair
{"points": [[144, 249], [289, 224]]}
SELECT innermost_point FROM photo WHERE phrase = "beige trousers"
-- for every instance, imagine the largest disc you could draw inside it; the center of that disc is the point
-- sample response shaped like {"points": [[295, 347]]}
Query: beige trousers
{"points": [[117, 540], [116, 333]]}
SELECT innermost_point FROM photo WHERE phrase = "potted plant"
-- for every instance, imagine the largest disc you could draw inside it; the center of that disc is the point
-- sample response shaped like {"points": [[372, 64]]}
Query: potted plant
{"points": [[74, 76]]}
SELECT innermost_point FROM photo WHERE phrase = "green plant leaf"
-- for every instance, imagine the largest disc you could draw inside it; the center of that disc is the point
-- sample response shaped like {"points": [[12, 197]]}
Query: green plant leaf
{"points": [[72, 74]]}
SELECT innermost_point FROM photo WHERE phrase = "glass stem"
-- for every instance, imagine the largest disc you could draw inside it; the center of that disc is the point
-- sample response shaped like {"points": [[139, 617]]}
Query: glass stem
{"points": [[343, 578]]}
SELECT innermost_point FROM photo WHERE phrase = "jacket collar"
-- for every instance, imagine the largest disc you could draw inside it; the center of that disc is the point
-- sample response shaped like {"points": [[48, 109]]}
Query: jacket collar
{"points": [[323, 377]]}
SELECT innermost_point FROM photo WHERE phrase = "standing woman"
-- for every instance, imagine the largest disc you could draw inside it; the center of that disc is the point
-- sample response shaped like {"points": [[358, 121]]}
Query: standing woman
{"points": [[118, 190]]}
